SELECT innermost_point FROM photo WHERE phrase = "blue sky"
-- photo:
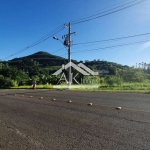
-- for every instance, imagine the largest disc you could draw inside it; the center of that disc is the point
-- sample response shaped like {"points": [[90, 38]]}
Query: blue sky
{"points": [[23, 22]]}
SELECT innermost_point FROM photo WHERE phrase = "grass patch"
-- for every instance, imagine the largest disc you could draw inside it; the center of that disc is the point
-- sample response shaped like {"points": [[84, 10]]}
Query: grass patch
{"points": [[132, 87], [125, 87], [30, 87]]}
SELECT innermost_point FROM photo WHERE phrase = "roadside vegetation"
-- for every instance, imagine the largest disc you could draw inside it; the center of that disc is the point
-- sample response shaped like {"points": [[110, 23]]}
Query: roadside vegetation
{"points": [[21, 72]]}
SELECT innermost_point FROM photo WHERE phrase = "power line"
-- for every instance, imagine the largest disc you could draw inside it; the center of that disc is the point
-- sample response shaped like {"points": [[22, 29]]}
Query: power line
{"points": [[105, 11], [86, 19], [48, 35], [81, 17], [58, 50], [114, 39], [108, 40], [44, 38], [113, 46], [130, 4]]}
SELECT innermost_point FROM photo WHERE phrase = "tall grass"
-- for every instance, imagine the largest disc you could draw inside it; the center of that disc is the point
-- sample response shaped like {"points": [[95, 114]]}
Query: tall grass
{"points": [[101, 87], [127, 86]]}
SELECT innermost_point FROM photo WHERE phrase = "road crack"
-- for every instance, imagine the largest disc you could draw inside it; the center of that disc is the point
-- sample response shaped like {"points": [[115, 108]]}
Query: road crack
{"points": [[19, 133]]}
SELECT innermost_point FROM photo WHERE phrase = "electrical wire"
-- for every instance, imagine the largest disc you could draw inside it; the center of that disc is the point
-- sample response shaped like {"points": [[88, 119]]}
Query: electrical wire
{"points": [[44, 38], [101, 41], [58, 50], [120, 9], [81, 17], [114, 39], [92, 17], [109, 47], [105, 11]]}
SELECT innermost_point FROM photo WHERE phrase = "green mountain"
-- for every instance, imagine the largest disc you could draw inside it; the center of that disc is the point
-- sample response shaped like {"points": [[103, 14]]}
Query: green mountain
{"points": [[43, 59], [50, 62]]}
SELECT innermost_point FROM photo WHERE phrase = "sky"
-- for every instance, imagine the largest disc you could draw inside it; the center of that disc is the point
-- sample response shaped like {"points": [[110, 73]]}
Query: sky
{"points": [[24, 22]]}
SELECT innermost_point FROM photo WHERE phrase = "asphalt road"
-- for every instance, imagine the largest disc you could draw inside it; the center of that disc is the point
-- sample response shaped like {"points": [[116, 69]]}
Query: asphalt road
{"points": [[30, 123]]}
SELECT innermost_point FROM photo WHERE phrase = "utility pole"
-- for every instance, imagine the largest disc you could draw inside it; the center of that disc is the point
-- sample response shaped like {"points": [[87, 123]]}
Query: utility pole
{"points": [[68, 43], [69, 57]]}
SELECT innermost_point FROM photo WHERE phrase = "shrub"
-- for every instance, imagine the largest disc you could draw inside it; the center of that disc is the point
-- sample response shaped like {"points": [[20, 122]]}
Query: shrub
{"points": [[114, 81], [5, 82]]}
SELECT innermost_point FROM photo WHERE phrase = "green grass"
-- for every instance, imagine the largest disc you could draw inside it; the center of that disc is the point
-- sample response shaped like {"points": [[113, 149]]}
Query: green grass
{"points": [[125, 87], [30, 87]]}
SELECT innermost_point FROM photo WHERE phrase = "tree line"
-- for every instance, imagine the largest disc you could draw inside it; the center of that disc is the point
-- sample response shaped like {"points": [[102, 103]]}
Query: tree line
{"points": [[29, 70]]}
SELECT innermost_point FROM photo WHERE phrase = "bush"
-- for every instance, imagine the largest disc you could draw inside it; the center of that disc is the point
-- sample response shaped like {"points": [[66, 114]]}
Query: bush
{"points": [[114, 81], [5, 82]]}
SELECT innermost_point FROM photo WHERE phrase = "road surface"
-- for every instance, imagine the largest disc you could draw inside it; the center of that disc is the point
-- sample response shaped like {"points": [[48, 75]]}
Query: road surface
{"points": [[30, 120]]}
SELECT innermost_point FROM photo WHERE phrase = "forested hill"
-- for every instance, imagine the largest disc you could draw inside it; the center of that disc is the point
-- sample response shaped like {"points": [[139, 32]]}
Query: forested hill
{"points": [[41, 65], [105, 66], [43, 59], [51, 62]]}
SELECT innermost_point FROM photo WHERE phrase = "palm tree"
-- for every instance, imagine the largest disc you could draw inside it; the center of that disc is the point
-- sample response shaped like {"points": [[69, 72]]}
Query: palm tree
{"points": [[136, 65], [139, 65], [148, 66], [145, 65], [142, 65]]}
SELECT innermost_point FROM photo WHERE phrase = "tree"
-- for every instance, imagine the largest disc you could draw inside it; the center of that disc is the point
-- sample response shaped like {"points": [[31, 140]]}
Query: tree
{"points": [[132, 75]]}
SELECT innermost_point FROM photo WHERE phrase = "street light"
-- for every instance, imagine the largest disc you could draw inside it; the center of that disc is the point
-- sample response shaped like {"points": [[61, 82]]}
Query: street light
{"points": [[54, 37]]}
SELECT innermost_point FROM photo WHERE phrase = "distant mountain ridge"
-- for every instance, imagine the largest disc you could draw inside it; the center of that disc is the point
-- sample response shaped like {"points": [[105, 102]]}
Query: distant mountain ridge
{"points": [[53, 62], [43, 58], [40, 54]]}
